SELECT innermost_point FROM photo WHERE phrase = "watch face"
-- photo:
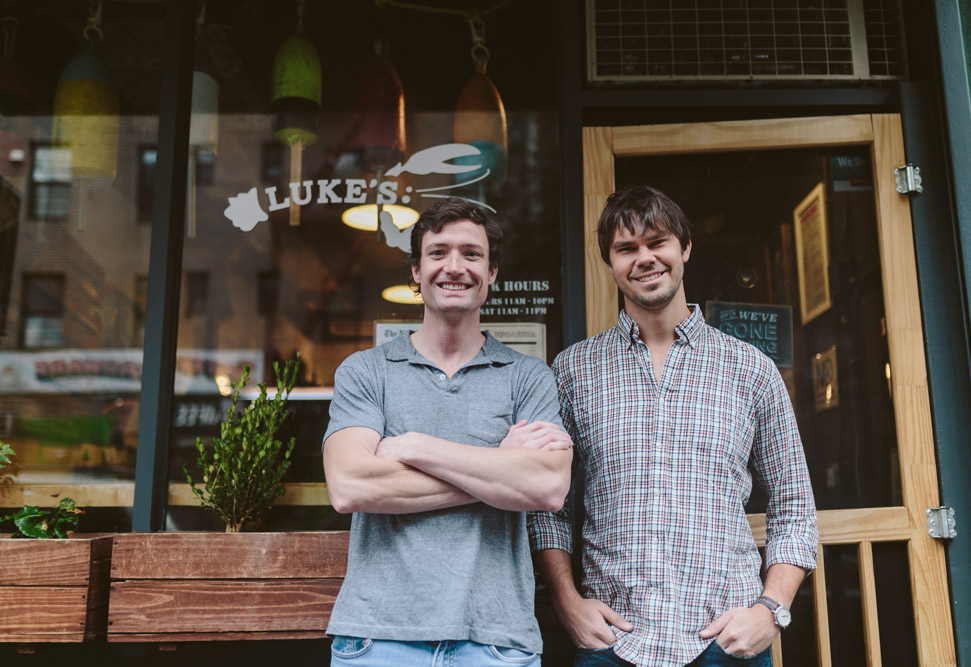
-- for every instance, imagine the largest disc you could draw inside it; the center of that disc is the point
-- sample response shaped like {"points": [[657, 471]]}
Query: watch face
{"points": [[783, 617]]}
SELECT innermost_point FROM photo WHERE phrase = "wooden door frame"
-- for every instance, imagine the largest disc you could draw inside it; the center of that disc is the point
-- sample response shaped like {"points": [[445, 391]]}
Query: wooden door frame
{"points": [[918, 466]]}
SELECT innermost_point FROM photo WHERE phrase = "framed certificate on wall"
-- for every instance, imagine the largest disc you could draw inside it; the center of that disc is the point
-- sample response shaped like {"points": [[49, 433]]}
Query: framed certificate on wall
{"points": [[812, 254]]}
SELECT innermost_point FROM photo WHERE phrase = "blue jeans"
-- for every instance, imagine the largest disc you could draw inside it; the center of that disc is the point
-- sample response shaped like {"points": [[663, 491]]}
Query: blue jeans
{"points": [[358, 652], [714, 656]]}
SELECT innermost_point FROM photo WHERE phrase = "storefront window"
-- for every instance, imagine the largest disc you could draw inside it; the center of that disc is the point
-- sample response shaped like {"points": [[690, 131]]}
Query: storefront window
{"points": [[80, 93], [277, 265]]}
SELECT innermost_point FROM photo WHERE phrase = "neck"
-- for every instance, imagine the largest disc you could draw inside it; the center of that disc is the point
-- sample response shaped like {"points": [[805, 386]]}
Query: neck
{"points": [[657, 326], [448, 342]]}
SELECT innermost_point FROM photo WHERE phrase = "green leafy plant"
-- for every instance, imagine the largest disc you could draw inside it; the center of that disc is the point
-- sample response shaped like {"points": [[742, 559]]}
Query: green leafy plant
{"points": [[6, 451], [243, 467], [45, 522]]}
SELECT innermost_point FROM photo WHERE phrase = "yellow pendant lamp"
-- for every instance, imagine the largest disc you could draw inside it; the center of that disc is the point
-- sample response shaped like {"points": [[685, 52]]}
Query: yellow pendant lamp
{"points": [[296, 100], [480, 118], [86, 112]]}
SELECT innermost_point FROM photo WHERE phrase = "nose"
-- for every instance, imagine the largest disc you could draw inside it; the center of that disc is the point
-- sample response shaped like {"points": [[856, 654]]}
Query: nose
{"points": [[453, 262], [645, 255]]}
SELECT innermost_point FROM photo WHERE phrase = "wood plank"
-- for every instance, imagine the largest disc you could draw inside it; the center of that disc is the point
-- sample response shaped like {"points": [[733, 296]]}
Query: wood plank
{"points": [[42, 610], [918, 469], [229, 556], [821, 608], [777, 651], [598, 184], [213, 636], [875, 524], [30, 638], [741, 135], [201, 605], [121, 494], [868, 598], [47, 562]]}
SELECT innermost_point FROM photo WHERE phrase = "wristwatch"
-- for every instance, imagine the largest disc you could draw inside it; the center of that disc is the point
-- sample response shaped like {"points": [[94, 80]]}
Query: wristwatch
{"points": [[781, 613]]}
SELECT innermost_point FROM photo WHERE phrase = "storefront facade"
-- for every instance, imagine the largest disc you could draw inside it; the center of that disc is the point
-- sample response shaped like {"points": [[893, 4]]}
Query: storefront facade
{"points": [[177, 181]]}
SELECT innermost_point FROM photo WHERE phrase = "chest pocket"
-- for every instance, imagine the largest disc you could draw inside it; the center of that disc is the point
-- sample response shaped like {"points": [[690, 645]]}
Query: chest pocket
{"points": [[487, 427]]}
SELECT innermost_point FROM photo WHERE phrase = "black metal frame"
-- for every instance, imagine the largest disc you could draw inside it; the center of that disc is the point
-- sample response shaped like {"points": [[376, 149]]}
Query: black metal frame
{"points": [[164, 269]]}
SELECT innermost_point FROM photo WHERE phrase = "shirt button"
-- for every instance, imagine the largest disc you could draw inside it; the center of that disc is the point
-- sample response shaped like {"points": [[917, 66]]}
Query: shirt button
{"points": [[657, 492], [655, 541], [442, 377]]}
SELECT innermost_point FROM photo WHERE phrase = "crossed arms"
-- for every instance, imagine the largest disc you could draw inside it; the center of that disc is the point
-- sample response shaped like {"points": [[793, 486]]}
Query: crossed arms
{"points": [[414, 472]]}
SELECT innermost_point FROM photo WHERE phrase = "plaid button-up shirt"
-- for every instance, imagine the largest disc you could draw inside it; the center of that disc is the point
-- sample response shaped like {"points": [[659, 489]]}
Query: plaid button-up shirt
{"points": [[667, 471]]}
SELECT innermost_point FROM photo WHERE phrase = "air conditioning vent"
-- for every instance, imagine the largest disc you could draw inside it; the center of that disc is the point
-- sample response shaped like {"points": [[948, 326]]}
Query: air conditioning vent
{"points": [[670, 40]]}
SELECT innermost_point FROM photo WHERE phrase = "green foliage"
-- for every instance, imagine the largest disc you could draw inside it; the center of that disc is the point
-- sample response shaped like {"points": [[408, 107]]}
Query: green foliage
{"points": [[243, 467], [45, 522], [6, 451]]}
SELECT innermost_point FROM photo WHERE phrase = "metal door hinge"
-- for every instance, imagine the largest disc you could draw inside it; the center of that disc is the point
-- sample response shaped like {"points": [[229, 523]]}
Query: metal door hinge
{"points": [[940, 523], [908, 179]]}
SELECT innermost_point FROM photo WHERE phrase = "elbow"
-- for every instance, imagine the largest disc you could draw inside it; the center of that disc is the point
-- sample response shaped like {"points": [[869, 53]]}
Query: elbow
{"points": [[554, 496], [342, 498]]}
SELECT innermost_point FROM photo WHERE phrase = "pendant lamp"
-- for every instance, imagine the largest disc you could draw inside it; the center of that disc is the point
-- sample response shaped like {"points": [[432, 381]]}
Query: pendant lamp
{"points": [[86, 112], [295, 102], [480, 118], [204, 121], [377, 138]]}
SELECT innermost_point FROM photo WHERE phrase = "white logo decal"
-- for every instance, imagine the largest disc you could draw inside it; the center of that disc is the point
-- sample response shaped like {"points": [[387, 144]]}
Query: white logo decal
{"points": [[394, 237], [245, 211], [433, 161]]}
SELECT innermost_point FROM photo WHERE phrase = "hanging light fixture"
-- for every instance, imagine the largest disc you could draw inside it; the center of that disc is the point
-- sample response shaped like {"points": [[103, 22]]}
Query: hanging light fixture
{"points": [[480, 117], [204, 121], [378, 138], [296, 100], [86, 112], [401, 294]]}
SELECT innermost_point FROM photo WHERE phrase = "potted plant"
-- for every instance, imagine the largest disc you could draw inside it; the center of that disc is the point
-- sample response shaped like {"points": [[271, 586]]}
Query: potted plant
{"points": [[52, 589], [171, 587]]}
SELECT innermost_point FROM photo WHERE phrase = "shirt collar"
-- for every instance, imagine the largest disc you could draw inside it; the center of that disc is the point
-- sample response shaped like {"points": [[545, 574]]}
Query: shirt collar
{"points": [[492, 352], [689, 329]]}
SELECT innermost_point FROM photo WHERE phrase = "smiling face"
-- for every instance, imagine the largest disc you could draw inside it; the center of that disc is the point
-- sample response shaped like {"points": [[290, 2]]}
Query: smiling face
{"points": [[454, 274], [649, 268]]}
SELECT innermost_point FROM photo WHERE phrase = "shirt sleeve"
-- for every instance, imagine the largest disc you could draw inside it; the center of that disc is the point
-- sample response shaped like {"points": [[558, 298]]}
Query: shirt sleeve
{"points": [[357, 397], [780, 466], [554, 530]]}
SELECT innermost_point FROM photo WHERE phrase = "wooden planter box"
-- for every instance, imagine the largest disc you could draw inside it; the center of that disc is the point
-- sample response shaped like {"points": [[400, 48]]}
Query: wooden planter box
{"points": [[174, 587], [54, 590]]}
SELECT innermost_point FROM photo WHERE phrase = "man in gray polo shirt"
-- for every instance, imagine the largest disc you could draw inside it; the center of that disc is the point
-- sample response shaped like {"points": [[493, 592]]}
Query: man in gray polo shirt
{"points": [[439, 441]]}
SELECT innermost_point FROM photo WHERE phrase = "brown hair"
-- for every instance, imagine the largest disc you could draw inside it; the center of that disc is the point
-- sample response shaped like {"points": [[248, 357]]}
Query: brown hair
{"points": [[640, 208]]}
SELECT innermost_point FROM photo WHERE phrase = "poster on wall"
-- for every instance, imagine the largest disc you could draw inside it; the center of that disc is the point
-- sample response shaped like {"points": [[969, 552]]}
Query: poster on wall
{"points": [[767, 327], [527, 338], [812, 254]]}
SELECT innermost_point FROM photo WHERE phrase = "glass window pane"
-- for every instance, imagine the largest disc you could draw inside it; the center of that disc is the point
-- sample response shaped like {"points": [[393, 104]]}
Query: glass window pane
{"points": [[70, 354], [275, 265], [814, 304]]}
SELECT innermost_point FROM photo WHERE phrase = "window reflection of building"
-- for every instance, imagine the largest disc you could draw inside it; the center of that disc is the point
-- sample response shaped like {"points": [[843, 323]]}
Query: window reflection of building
{"points": [[42, 311], [50, 183]]}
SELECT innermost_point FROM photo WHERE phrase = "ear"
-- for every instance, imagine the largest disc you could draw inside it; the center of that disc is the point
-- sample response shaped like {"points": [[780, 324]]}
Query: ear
{"points": [[686, 253], [416, 274], [493, 274]]}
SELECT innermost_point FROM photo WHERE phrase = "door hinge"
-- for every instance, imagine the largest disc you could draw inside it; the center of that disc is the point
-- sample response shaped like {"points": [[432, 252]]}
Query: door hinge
{"points": [[908, 179], [940, 523]]}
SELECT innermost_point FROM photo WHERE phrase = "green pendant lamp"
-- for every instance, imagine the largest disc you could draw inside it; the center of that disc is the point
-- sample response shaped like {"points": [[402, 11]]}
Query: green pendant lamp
{"points": [[296, 99], [86, 112]]}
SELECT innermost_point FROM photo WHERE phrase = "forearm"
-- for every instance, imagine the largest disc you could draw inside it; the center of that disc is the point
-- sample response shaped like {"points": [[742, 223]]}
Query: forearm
{"points": [[509, 478], [782, 581], [555, 567], [360, 481]]}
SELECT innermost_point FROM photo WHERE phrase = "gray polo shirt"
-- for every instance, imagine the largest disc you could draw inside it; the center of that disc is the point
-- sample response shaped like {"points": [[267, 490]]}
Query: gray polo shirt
{"points": [[455, 574]]}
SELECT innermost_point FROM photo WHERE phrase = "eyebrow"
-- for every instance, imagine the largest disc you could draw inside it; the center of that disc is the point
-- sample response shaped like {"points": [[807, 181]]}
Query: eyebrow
{"points": [[463, 246]]}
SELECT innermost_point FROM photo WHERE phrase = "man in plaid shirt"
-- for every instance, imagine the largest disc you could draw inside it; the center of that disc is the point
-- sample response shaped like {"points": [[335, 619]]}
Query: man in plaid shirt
{"points": [[668, 417]]}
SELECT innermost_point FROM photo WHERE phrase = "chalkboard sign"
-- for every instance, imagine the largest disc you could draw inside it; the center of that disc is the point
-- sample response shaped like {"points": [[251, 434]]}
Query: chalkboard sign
{"points": [[769, 328]]}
